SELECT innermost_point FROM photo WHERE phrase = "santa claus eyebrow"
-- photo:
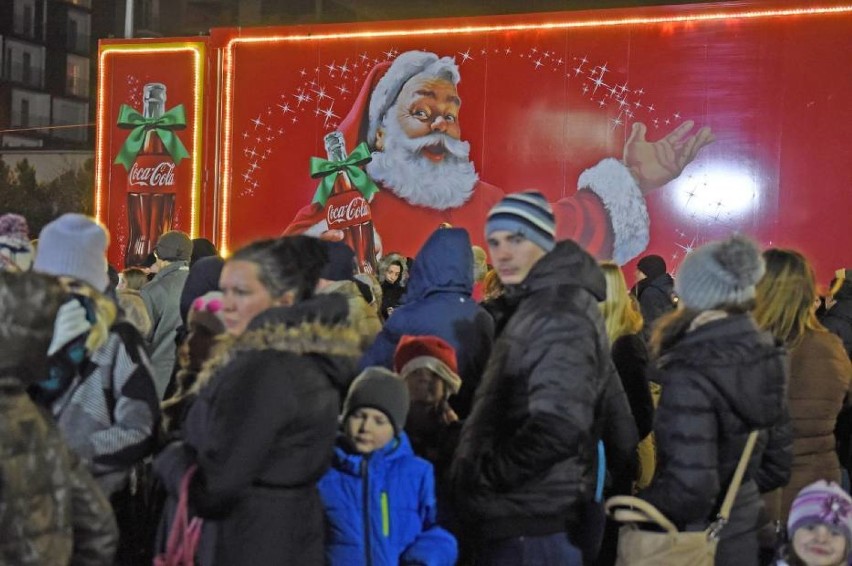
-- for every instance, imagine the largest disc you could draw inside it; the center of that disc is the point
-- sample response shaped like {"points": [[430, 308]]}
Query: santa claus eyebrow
{"points": [[431, 94]]}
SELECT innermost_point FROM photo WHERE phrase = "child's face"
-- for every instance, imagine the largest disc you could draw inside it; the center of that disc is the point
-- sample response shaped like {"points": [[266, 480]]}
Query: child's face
{"points": [[368, 429], [425, 386], [820, 544]]}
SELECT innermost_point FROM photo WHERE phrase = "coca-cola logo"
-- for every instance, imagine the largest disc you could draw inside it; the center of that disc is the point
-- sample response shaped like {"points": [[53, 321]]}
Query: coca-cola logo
{"points": [[160, 175], [354, 212]]}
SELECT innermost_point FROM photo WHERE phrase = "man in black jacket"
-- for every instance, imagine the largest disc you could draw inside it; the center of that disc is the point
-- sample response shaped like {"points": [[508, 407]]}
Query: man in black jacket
{"points": [[524, 470]]}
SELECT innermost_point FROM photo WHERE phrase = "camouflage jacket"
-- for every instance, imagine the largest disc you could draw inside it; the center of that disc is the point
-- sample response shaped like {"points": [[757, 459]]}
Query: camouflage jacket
{"points": [[51, 510]]}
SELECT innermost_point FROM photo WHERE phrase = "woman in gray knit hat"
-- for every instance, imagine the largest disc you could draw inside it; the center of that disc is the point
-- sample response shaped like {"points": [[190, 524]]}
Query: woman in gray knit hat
{"points": [[721, 378]]}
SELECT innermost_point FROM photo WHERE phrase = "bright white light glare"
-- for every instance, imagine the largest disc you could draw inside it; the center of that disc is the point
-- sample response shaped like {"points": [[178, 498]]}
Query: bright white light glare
{"points": [[721, 193]]}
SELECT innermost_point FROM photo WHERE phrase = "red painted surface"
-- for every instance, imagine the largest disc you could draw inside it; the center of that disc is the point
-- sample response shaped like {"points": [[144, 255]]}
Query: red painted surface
{"points": [[776, 92]]}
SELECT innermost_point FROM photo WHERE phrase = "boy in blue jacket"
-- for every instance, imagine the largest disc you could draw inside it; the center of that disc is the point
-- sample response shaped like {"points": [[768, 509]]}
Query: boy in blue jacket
{"points": [[379, 497]]}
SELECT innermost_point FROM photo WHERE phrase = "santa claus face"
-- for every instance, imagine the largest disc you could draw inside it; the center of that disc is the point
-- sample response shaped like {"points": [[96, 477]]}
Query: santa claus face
{"points": [[420, 156], [424, 106]]}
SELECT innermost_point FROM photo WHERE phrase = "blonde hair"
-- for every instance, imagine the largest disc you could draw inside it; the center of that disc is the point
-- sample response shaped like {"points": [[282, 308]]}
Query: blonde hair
{"points": [[785, 296], [620, 310], [492, 287]]}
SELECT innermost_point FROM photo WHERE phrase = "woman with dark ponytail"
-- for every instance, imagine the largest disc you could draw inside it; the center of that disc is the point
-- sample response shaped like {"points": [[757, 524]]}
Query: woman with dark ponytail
{"points": [[263, 426]]}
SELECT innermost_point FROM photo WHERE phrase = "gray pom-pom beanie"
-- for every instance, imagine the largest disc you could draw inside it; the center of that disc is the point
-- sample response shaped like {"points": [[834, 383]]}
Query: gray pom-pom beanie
{"points": [[720, 273]]}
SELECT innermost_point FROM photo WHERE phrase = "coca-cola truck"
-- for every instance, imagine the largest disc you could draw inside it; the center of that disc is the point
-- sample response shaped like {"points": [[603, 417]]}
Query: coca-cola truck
{"points": [[650, 130]]}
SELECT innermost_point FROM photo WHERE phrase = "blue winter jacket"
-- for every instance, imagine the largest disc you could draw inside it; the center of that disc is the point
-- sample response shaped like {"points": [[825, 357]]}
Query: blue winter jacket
{"points": [[438, 302], [399, 491]]}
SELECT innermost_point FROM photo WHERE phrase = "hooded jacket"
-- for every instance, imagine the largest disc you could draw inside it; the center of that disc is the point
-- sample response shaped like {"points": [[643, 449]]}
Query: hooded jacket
{"points": [[838, 318], [524, 464], [51, 510], [438, 302], [262, 431], [721, 381], [381, 509]]}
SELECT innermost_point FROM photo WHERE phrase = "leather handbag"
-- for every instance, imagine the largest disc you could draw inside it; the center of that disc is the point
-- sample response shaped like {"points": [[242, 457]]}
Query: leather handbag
{"points": [[665, 545]]}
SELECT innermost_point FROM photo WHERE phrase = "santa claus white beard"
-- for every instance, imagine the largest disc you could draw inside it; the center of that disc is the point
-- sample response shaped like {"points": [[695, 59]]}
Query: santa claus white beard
{"points": [[411, 176]]}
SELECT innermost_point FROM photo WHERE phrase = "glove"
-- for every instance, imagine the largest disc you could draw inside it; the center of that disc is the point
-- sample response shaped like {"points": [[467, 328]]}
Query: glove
{"points": [[70, 323]]}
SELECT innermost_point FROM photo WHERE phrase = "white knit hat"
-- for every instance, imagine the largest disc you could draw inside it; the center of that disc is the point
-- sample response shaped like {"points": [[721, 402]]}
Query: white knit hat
{"points": [[74, 245]]}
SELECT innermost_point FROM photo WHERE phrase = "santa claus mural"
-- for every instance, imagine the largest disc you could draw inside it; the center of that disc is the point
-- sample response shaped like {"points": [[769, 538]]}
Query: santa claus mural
{"points": [[408, 112]]}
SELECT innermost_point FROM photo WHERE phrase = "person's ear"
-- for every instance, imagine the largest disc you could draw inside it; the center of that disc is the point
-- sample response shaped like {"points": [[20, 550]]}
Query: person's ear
{"points": [[380, 139], [285, 300]]}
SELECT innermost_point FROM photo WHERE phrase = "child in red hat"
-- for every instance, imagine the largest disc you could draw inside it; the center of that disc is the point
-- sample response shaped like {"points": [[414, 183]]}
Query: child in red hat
{"points": [[428, 366]]}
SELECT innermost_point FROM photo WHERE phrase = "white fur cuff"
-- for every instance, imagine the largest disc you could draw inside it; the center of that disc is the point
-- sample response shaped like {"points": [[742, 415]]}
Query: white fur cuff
{"points": [[614, 185]]}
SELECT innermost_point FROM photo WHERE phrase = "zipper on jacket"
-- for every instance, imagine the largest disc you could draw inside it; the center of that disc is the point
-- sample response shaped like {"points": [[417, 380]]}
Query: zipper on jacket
{"points": [[385, 515], [365, 475]]}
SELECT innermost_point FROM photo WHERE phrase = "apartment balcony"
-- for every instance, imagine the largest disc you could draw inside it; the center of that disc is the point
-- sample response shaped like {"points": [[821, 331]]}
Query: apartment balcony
{"points": [[79, 43], [29, 120], [26, 75], [77, 86]]}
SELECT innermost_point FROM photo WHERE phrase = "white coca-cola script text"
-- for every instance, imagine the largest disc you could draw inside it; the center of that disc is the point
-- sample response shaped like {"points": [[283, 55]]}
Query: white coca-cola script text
{"points": [[160, 175], [354, 212]]}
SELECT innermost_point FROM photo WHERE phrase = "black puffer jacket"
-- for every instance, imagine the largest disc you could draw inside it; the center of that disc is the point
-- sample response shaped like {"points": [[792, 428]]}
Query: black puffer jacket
{"points": [[524, 465], [721, 381], [262, 432], [655, 299]]}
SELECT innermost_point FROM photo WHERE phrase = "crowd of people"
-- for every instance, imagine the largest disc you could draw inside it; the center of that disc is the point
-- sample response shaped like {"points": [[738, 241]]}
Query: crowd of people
{"points": [[277, 407]]}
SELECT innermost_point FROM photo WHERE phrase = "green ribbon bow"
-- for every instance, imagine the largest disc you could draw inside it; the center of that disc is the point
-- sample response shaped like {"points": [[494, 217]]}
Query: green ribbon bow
{"points": [[327, 170], [130, 119]]}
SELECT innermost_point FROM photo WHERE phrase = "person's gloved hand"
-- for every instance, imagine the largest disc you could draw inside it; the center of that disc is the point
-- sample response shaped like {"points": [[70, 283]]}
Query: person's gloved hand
{"points": [[70, 323]]}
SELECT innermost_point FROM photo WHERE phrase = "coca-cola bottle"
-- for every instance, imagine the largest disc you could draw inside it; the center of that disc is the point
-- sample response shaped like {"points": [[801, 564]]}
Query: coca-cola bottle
{"points": [[348, 211], [150, 184]]}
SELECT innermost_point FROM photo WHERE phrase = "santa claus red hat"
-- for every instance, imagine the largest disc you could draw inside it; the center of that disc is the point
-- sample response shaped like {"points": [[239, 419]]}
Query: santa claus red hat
{"points": [[382, 87], [432, 353]]}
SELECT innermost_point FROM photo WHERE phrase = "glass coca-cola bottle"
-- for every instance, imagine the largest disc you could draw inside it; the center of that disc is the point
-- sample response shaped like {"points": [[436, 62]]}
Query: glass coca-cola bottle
{"points": [[348, 211], [150, 184]]}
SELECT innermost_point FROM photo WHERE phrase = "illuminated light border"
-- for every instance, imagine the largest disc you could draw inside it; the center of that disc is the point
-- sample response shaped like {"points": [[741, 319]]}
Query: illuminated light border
{"points": [[227, 125], [104, 161]]}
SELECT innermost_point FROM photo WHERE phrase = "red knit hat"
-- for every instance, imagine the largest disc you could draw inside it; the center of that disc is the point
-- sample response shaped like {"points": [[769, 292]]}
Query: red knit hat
{"points": [[432, 353]]}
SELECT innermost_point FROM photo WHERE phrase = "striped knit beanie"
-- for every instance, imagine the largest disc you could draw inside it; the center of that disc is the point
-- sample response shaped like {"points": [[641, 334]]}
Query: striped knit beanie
{"points": [[527, 213], [822, 502]]}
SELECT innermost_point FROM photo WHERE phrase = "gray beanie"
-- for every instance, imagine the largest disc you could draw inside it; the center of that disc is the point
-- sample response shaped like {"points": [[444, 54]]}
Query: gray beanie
{"points": [[381, 389], [720, 273], [74, 245], [174, 246]]}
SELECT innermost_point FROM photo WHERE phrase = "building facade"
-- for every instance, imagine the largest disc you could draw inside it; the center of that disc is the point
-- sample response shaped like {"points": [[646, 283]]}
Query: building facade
{"points": [[45, 73]]}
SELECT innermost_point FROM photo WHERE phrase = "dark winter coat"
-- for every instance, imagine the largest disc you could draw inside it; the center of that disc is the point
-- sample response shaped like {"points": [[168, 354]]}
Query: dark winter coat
{"points": [[820, 376], [398, 523], [525, 465], [722, 380], [838, 318], [438, 302], [51, 510], [655, 299], [630, 356], [262, 431]]}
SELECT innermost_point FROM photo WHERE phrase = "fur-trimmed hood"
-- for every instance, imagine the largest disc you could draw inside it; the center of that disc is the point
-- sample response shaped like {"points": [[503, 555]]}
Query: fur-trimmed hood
{"points": [[316, 327]]}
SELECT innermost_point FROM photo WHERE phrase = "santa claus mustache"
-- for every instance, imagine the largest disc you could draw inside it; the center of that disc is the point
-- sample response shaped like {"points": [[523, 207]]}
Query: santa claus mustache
{"points": [[456, 148]]}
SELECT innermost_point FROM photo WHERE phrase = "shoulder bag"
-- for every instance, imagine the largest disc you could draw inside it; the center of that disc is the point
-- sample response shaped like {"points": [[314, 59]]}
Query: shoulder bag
{"points": [[667, 546]]}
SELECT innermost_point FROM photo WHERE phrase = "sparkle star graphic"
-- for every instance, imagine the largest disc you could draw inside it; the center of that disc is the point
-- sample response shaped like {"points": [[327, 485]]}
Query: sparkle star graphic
{"points": [[285, 108], [465, 56], [688, 248], [257, 122], [538, 64]]}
